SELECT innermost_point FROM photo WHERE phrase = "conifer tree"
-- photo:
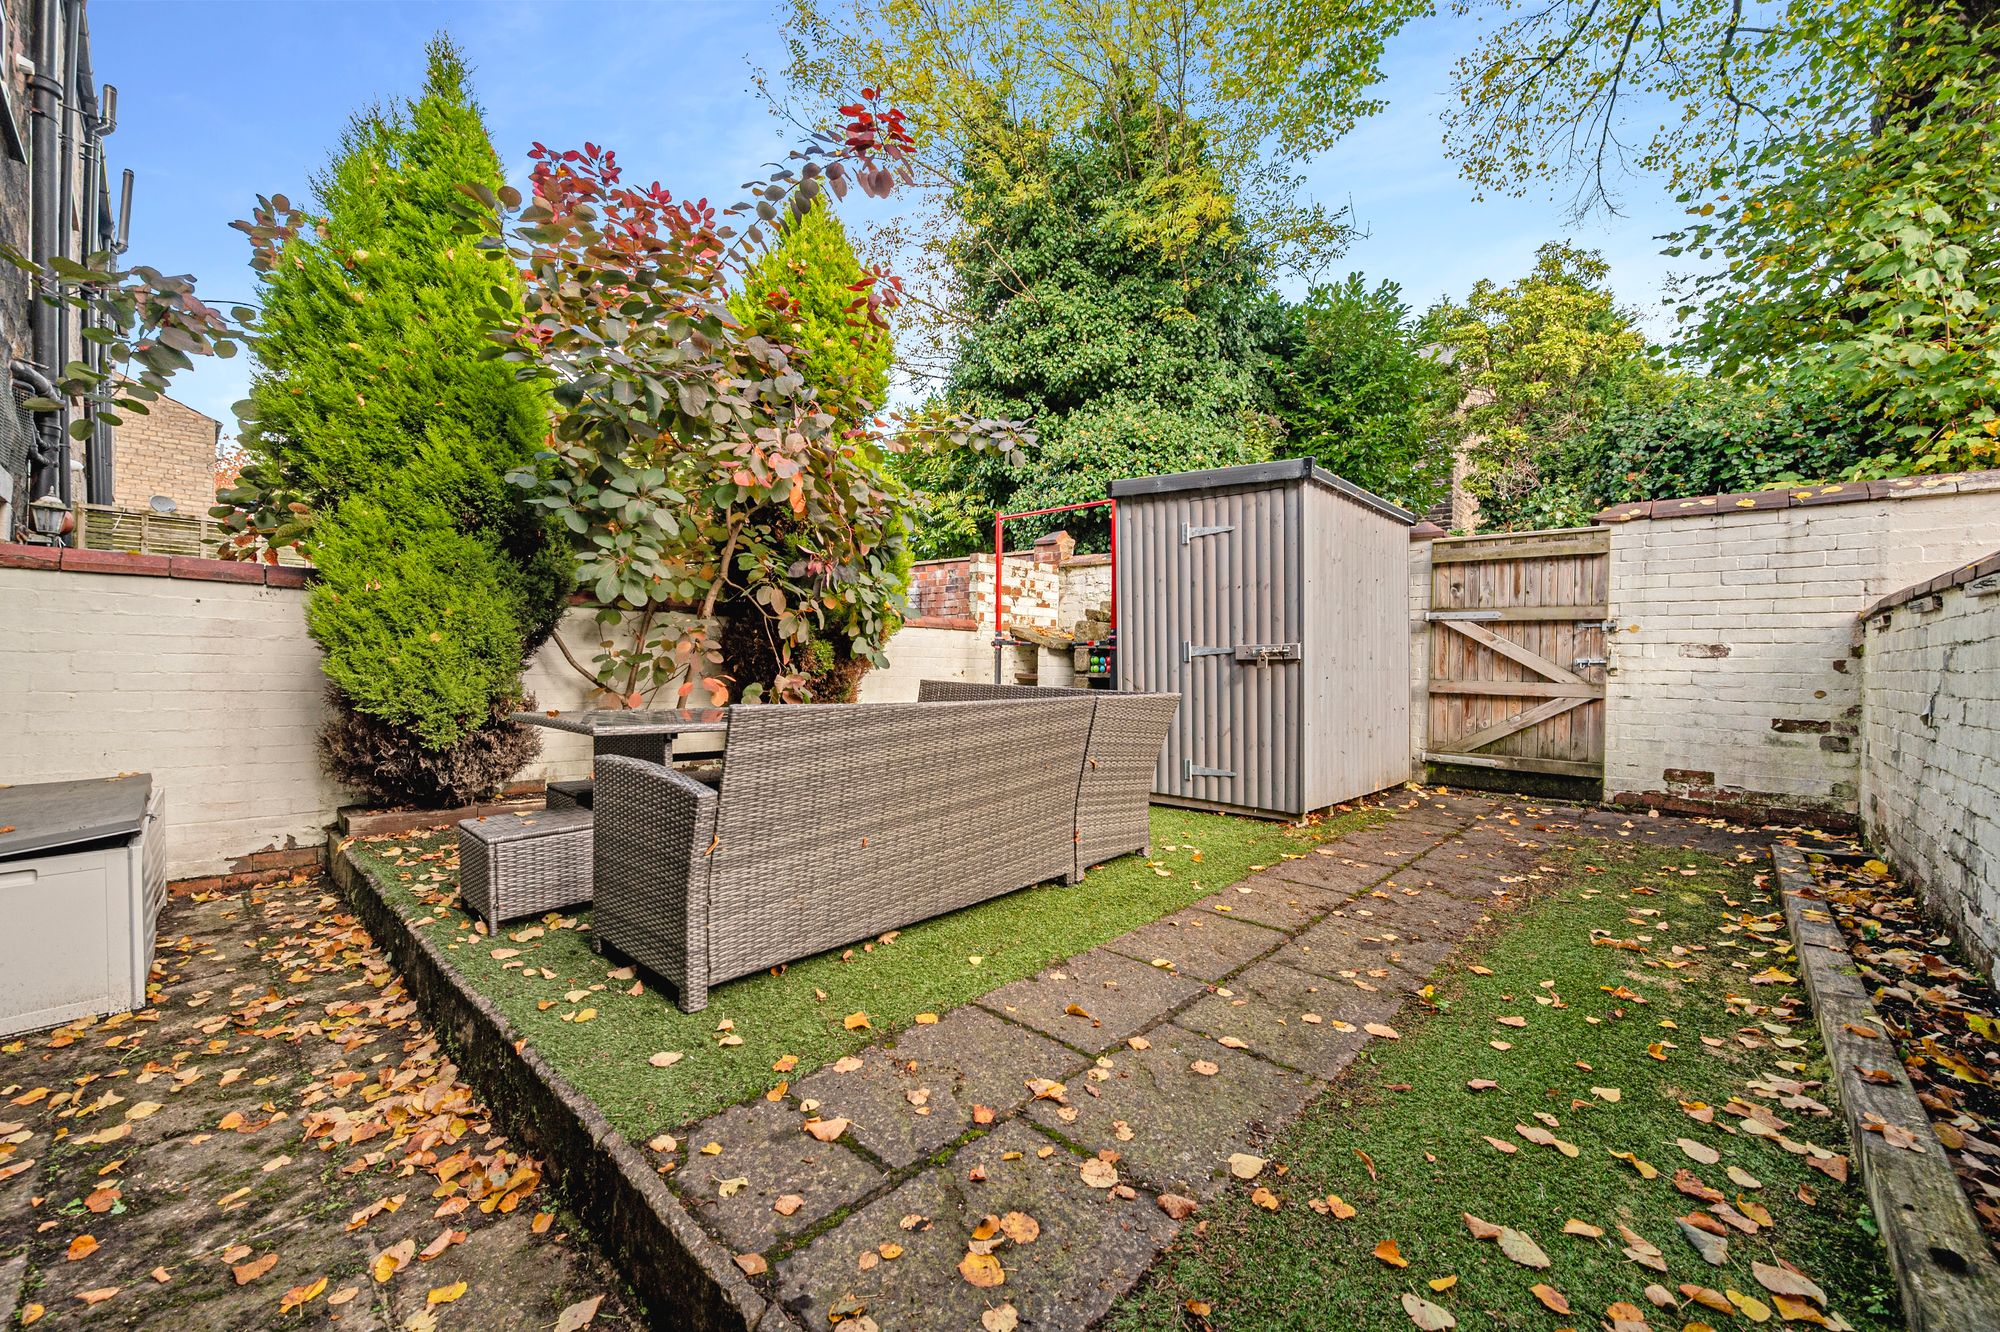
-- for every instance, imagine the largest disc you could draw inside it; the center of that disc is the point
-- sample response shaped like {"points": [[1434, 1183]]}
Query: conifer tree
{"points": [[373, 405]]}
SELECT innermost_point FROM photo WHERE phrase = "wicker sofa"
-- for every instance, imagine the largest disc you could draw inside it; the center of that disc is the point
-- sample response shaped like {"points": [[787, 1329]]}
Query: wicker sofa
{"points": [[1115, 783], [832, 823]]}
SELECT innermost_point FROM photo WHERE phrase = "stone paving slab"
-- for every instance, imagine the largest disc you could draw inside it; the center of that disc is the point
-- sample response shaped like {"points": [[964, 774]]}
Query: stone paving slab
{"points": [[1121, 996], [1204, 944], [1092, 1245], [1268, 1007], [1174, 1127], [1345, 946], [764, 1144], [1266, 900], [909, 1101]]}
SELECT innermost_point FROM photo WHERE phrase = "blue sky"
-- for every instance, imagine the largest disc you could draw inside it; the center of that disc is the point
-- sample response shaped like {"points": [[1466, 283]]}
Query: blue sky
{"points": [[220, 101]]}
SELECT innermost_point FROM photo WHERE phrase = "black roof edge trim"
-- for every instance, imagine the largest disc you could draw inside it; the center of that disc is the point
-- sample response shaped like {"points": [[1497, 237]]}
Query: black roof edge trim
{"points": [[1259, 474]]}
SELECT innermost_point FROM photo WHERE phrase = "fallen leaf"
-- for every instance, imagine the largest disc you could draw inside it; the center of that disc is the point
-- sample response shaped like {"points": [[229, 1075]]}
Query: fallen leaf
{"points": [[392, 1260], [1176, 1206], [81, 1247], [1749, 1306], [1583, 1228], [982, 1270], [1551, 1298], [855, 1022], [1427, 1316], [300, 1296], [579, 1315], [665, 1059], [753, 1264], [1245, 1166], [1780, 1281], [826, 1130], [1341, 1211], [1019, 1227], [445, 1294], [1001, 1319], [1443, 1283], [1264, 1198], [1521, 1249], [788, 1204], [1698, 1151], [1714, 1249], [1098, 1173], [1383, 1030], [256, 1267], [1205, 1068], [1389, 1252]]}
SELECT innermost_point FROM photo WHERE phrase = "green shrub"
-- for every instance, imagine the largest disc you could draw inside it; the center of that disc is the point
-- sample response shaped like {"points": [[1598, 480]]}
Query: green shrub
{"points": [[418, 621]]}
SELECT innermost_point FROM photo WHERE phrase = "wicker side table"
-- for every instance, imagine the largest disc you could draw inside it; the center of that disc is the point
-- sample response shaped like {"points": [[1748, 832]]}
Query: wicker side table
{"points": [[513, 865]]}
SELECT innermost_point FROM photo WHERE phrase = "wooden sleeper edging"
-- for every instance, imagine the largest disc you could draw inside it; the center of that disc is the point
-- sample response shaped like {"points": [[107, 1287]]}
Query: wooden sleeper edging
{"points": [[1946, 1273], [682, 1276]]}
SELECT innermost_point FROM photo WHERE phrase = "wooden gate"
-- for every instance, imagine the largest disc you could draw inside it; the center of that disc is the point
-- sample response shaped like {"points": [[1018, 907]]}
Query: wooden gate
{"points": [[1517, 626]]}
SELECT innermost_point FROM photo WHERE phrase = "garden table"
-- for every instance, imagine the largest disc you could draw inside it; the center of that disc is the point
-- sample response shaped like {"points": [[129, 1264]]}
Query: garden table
{"points": [[646, 733]]}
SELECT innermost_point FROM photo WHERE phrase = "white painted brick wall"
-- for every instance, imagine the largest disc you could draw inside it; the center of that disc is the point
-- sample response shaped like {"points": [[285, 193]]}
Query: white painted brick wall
{"points": [[214, 688], [1930, 771], [1779, 589]]}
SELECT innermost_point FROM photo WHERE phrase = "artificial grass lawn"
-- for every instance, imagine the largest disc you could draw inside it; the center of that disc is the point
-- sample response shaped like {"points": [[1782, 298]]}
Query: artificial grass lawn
{"points": [[927, 968], [1406, 1104]]}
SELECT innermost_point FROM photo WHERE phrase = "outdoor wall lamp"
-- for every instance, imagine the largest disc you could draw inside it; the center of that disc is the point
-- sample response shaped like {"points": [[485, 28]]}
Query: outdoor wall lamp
{"points": [[49, 516]]}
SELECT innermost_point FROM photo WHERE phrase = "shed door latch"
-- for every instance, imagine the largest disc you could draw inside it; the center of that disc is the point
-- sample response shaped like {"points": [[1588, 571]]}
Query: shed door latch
{"points": [[1189, 768], [1261, 652], [1188, 534]]}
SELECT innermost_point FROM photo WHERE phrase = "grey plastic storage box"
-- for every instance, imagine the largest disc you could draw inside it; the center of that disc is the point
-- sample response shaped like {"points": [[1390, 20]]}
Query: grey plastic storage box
{"points": [[82, 876], [1274, 599]]}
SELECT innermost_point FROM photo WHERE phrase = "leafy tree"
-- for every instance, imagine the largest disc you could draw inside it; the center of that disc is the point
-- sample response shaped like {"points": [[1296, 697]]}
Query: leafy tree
{"points": [[1250, 90], [1130, 359], [1865, 261], [1541, 362], [807, 294], [1359, 390], [374, 415]]}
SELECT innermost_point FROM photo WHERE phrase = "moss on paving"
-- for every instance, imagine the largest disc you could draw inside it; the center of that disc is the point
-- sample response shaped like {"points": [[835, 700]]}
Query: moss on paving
{"points": [[927, 968], [1406, 1104]]}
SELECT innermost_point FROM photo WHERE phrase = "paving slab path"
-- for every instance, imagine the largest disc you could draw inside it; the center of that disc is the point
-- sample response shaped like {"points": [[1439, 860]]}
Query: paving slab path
{"points": [[1106, 1095], [241, 1139]]}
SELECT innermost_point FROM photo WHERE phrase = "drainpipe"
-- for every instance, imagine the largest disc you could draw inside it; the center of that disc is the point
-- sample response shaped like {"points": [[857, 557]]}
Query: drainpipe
{"points": [[50, 443], [48, 472]]}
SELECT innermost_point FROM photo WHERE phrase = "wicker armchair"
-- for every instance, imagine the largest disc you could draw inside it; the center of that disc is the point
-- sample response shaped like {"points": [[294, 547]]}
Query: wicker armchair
{"points": [[832, 823], [1115, 783]]}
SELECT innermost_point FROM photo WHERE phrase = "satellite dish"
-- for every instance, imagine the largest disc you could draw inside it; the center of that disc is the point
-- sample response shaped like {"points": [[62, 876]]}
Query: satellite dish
{"points": [[164, 504]]}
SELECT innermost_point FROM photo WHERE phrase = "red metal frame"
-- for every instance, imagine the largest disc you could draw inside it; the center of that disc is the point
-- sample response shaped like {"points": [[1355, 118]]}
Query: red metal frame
{"points": [[1000, 558]]}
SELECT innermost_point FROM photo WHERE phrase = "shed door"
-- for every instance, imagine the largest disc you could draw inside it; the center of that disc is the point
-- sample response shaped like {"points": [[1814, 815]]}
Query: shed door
{"points": [[1220, 624]]}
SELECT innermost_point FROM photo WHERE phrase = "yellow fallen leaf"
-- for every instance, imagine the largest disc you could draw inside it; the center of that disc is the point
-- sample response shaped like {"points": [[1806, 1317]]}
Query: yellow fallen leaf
{"points": [[982, 1270], [1391, 1253], [445, 1294], [1443, 1283], [300, 1296], [855, 1022]]}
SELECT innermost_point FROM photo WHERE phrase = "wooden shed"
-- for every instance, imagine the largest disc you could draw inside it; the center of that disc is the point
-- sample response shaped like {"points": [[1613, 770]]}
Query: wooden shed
{"points": [[1274, 598]]}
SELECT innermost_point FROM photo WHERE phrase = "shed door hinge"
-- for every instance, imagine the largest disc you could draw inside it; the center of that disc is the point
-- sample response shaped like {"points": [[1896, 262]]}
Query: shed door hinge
{"points": [[1189, 651], [1189, 768], [1188, 534]]}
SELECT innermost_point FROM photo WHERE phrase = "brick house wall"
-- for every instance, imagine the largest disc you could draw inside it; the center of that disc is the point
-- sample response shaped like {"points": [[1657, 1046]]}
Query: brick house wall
{"points": [[171, 452], [1930, 744]]}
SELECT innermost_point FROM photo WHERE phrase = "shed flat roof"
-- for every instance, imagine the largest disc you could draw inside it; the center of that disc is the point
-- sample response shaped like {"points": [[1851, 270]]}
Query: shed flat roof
{"points": [[1260, 474]]}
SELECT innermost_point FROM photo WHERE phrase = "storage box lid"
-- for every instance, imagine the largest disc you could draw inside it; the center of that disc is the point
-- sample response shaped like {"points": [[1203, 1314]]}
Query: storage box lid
{"points": [[38, 817]]}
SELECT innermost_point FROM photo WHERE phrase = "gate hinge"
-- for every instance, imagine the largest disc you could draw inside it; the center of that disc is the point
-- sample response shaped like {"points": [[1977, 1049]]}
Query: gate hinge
{"points": [[1189, 651], [1188, 533]]}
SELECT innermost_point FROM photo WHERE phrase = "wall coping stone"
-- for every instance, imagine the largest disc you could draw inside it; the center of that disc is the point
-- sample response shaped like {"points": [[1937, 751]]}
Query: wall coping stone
{"points": [[940, 622], [1984, 567], [68, 559], [1798, 497]]}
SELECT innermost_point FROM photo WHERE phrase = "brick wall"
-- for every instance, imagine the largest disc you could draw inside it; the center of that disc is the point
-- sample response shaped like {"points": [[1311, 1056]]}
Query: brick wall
{"points": [[145, 663], [1930, 741], [1734, 684], [938, 590], [170, 451]]}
